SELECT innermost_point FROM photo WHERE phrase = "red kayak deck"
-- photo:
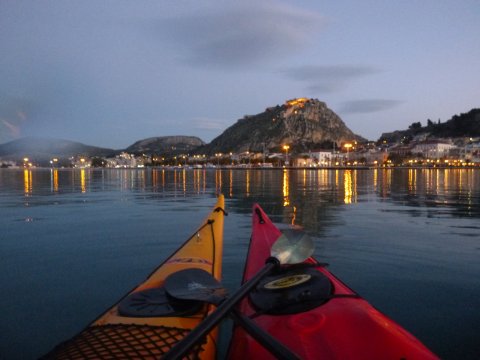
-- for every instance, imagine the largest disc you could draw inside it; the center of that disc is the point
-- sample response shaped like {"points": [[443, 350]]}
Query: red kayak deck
{"points": [[344, 326]]}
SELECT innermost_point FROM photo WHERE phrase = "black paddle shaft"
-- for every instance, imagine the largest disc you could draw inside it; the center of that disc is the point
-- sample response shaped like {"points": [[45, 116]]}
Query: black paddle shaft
{"points": [[276, 348], [181, 348], [198, 286]]}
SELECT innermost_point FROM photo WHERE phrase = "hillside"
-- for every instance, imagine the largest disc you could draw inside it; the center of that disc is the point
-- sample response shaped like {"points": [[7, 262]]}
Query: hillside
{"points": [[303, 124], [463, 125], [40, 149], [168, 145]]}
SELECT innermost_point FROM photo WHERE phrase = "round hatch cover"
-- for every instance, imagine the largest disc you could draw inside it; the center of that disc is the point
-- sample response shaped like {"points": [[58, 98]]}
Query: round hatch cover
{"points": [[291, 290], [156, 302]]}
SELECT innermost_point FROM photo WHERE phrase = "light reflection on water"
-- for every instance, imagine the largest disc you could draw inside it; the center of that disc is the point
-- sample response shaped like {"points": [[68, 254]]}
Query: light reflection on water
{"points": [[76, 240], [427, 186]]}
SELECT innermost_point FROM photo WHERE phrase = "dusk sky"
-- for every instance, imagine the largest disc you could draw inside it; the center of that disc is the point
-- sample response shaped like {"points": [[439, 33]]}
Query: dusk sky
{"points": [[109, 73]]}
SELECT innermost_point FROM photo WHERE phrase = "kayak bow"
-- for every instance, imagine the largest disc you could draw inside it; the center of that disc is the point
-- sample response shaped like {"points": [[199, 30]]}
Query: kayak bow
{"points": [[313, 313], [147, 322]]}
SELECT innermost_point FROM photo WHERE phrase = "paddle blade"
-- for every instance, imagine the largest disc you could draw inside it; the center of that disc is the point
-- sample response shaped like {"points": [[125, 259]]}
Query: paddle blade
{"points": [[195, 284], [292, 247]]}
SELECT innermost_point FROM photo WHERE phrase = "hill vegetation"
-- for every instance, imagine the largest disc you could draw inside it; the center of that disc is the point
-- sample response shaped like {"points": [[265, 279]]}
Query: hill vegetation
{"points": [[463, 125], [169, 145], [303, 124]]}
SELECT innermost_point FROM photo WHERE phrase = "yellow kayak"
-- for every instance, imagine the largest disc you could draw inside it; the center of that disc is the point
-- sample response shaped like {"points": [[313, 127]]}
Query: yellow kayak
{"points": [[147, 322]]}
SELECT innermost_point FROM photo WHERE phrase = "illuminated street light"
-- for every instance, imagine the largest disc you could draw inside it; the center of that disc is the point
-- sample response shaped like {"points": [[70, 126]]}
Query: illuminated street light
{"points": [[348, 146], [286, 147]]}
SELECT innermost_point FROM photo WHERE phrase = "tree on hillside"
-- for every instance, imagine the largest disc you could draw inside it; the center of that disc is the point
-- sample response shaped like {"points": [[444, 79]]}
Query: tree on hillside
{"points": [[415, 126], [467, 124]]}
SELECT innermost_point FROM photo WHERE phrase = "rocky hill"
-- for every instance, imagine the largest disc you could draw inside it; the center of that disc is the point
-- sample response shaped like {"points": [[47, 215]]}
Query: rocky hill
{"points": [[40, 149], [463, 125], [168, 145], [303, 124]]}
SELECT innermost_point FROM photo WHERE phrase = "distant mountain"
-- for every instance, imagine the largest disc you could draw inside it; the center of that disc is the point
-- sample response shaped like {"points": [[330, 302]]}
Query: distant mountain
{"points": [[463, 125], [303, 124], [168, 145], [41, 149]]}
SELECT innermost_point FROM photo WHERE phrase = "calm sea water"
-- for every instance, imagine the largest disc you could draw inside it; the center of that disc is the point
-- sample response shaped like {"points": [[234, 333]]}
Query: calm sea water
{"points": [[72, 242]]}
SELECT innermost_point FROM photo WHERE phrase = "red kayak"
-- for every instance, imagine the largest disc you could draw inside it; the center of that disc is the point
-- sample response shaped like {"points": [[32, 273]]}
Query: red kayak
{"points": [[313, 313]]}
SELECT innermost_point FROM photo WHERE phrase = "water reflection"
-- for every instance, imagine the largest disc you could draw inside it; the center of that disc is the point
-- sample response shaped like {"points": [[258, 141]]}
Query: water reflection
{"points": [[412, 179], [385, 183], [348, 186], [54, 180], [294, 215], [439, 188], [184, 178], [346, 210], [218, 181], [27, 182], [305, 178], [286, 188], [453, 190], [83, 185]]}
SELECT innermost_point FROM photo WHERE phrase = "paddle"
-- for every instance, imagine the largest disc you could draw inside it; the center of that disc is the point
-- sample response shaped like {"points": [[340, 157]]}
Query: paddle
{"points": [[197, 284], [285, 250]]}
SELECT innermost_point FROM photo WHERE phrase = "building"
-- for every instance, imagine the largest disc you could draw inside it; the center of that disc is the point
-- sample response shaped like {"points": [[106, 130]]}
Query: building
{"points": [[401, 150], [81, 162], [322, 157], [471, 151], [433, 149], [314, 159], [125, 160]]}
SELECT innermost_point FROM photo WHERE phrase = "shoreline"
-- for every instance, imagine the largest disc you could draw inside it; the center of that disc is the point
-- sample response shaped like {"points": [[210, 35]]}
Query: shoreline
{"points": [[262, 168]]}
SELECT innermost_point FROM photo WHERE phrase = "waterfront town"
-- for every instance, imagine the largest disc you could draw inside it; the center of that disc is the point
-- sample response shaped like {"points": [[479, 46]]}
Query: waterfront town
{"points": [[419, 152], [301, 133]]}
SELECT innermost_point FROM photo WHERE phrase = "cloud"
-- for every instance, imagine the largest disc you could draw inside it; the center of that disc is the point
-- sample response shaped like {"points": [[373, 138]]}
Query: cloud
{"points": [[13, 117], [245, 35], [9, 130], [368, 106], [327, 78]]}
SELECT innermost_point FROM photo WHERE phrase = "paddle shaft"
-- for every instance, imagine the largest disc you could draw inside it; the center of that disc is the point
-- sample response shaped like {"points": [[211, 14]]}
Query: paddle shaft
{"points": [[276, 348], [181, 348], [179, 285]]}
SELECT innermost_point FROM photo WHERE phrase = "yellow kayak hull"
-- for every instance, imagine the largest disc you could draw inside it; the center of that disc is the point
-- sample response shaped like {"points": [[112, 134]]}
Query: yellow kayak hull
{"points": [[114, 335]]}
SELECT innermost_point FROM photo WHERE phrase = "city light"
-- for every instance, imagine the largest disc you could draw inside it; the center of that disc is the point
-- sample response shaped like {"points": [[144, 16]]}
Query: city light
{"points": [[416, 153], [286, 147], [297, 102]]}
